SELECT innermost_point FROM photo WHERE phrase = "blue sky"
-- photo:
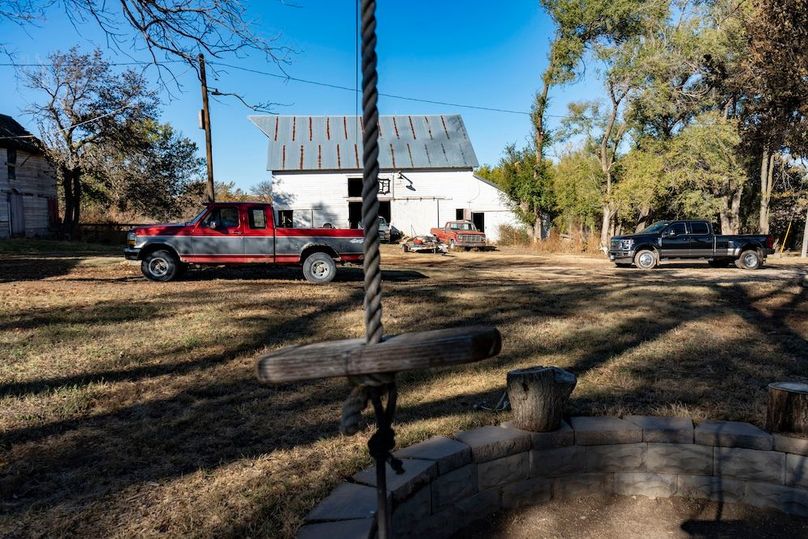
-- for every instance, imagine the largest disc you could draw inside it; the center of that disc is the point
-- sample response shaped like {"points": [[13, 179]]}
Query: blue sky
{"points": [[474, 52]]}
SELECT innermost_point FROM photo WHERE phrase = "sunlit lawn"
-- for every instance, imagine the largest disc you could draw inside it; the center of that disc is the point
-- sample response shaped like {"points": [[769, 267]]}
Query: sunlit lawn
{"points": [[131, 408]]}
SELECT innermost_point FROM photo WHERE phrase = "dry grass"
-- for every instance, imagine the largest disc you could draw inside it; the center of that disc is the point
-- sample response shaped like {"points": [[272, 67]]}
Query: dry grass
{"points": [[131, 408]]}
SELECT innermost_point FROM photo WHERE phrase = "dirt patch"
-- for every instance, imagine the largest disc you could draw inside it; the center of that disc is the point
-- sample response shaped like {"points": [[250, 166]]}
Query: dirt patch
{"points": [[638, 517], [131, 408]]}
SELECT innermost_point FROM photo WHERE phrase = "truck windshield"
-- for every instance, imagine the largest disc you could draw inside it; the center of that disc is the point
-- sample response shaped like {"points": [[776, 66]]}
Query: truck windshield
{"points": [[656, 227], [462, 226]]}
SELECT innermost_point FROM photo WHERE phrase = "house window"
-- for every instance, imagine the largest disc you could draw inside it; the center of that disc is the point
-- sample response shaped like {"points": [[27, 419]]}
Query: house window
{"points": [[460, 214], [11, 161], [354, 187], [285, 219], [258, 218]]}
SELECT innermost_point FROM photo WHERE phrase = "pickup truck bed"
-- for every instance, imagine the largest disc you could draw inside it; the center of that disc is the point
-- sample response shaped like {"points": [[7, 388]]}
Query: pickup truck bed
{"points": [[689, 240]]}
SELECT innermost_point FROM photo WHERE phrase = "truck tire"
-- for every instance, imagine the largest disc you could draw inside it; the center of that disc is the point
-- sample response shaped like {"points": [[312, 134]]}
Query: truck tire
{"points": [[749, 260], [160, 265], [319, 268], [646, 259]]}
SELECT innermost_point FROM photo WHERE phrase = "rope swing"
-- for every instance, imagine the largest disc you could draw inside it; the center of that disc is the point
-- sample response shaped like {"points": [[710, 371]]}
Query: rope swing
{"points": [[371, 364]]}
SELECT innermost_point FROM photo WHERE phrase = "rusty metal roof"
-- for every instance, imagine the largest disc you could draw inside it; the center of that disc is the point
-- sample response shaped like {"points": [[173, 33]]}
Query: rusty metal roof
{"points": [[311, 143]]}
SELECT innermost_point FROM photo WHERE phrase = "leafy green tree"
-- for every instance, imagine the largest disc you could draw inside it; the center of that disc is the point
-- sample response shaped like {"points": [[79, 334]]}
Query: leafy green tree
{"points": [[88, 110], [643, 185], [150, 177], [576, 184], [709, 173], [529, 194], [773, 74]]}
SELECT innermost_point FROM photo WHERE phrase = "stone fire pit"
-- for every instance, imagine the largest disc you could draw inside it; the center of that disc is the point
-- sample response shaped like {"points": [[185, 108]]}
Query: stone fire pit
{"points": [[452, 482]]}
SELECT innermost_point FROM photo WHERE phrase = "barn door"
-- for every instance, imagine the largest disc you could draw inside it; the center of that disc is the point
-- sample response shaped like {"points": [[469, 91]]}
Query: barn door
{"points": [[479, 221], [17, 214]]}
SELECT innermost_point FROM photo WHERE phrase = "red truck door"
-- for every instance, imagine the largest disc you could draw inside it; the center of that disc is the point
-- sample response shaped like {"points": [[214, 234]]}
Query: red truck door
{"points": [[219, 236], [259, 234]]}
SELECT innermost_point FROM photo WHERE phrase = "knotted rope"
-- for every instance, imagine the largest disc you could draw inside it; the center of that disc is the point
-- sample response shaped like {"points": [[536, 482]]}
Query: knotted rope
{"points": [[372, 387], [368, 385]]}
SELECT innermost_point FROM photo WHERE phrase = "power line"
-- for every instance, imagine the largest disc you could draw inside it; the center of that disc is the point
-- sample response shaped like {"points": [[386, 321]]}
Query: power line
{"points": [[349, 89], [324, 85], [132, 63]]}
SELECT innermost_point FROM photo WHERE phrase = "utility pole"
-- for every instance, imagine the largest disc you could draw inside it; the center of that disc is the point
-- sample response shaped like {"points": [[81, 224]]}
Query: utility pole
{"points": [[205, 121]]}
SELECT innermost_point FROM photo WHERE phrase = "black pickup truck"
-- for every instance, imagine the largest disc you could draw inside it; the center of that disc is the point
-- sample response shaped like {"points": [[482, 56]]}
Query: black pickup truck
{"points": [[691, 240]]}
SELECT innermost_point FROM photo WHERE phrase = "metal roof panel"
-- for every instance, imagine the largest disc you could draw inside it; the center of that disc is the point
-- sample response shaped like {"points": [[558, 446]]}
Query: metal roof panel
{"points": [[310, 143]]}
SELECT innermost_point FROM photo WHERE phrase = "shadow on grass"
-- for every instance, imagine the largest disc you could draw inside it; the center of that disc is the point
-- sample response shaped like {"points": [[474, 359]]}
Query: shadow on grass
{"points": [[211, 423]]}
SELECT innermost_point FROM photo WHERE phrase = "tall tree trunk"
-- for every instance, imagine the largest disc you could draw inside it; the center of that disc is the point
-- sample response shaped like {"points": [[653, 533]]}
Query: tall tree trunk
{"points": [[605, 225], [539, 139], [71, 183], [538, 122], [804, 252], [644, 219], [766, 186], [606, 156], [537, 224], [730, 212], [77, 192], [67, 186]]}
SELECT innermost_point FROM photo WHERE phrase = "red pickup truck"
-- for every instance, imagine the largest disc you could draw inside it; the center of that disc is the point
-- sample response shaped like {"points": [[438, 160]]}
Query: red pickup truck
{"points": [[460, 235], [241, 233]]}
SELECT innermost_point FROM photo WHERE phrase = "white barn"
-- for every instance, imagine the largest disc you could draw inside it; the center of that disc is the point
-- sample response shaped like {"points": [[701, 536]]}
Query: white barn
{"points": [[27, 184], [426, 173]]}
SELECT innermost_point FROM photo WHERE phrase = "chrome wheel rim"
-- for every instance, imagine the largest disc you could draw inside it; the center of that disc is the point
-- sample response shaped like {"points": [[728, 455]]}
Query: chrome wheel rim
{"points": [[320, 269], [646, 260], [158, 267], [750, 260]]}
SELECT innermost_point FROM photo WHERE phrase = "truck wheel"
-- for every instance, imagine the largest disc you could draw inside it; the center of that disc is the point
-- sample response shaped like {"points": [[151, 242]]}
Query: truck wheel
{"points": [[160, 266], [646, 259], [319, 268], [749, 260]]}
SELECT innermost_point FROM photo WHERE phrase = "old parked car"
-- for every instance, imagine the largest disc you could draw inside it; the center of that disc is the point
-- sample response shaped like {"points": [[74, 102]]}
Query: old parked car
{"points": [[384, 230], [423, 244], [690, 240], [461, 235], [229, 233]]}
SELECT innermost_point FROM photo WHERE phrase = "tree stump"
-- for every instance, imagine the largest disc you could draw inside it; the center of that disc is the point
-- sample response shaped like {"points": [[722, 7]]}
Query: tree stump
{"points": [[787, 410], [538, 396]]}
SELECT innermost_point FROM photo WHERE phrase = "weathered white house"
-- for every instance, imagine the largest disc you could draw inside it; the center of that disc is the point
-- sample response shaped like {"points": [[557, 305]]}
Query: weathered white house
{"points": [[27, 184], [426, 177]]}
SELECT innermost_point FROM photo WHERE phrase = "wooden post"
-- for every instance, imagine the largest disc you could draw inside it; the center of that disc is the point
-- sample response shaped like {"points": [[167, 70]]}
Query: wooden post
{"points": [[538, 396], [787, 410], [210, 192]]}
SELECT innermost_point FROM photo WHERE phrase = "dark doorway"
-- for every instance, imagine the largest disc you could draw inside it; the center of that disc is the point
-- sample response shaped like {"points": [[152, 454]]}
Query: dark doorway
{"points": [[355, 212], [479, 221], [355, 187], [460, 214], [384, 210]]}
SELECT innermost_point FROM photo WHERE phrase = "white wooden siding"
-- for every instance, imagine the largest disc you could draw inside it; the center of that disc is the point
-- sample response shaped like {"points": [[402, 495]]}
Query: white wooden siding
{"points": [[419, 200]]}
